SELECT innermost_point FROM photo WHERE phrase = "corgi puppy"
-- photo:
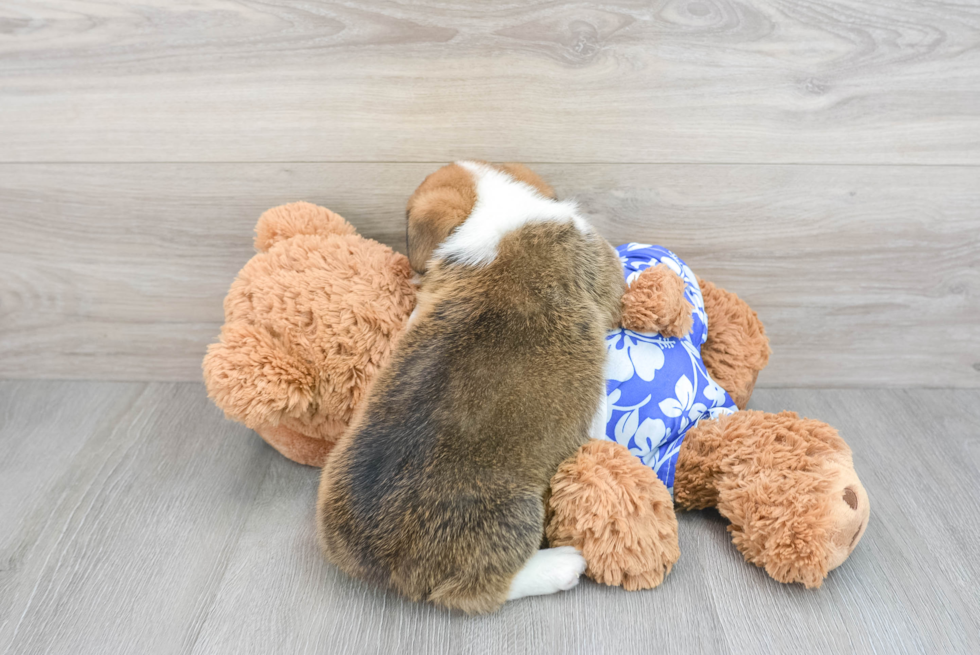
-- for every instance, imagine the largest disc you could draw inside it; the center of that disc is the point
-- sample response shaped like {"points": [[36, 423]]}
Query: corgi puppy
{"points": [[439, 487]]}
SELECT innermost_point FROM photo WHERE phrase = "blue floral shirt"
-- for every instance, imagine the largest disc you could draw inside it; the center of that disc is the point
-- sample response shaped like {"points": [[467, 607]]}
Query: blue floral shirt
{"points": [[657, 387]]}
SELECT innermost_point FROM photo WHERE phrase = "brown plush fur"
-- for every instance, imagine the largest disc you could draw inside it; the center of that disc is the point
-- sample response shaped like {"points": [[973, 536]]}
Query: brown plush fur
{"points": [[737, 347], [618, 513], [786, 483], [308, 322], [437, 490], [655, 302], [299, 447]]}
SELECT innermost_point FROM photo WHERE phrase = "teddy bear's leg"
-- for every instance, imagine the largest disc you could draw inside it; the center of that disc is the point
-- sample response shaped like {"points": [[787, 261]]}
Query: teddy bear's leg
{"points": [[737, 347], [787, 484], [655, 302], [617, 512]]}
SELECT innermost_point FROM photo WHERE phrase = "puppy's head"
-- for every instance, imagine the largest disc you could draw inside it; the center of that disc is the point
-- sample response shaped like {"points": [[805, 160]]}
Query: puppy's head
{"points": [[444, 200]]}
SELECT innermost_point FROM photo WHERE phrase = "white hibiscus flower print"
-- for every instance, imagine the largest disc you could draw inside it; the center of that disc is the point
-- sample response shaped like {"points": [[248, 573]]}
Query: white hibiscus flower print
{"points": [[672, 265], [713, 392], [651, 434], [683, 404], [657, 388], [631, 354], [624, 259], [627, 425], [684, 391]]}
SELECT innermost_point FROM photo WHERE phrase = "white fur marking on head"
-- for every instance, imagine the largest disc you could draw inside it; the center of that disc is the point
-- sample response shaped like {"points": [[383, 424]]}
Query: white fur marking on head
{"points": [[549, 570], [503, 204]]}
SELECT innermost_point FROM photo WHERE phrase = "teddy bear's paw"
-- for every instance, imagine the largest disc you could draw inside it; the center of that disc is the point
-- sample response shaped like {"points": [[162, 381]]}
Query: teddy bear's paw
{"points": [[655, 302], [252, 375], [618, 513]]}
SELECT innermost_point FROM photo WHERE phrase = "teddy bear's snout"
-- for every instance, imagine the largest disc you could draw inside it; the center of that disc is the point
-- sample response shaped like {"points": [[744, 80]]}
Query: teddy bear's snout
{"points": [[852, 499], [851, 520]]}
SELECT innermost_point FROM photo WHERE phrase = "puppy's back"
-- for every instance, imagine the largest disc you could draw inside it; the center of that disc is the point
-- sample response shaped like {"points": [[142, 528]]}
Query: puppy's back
{"points": [[437, 490]]}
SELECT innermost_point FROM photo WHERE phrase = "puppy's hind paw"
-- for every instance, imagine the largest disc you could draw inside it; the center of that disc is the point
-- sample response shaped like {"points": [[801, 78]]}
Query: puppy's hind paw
{"points": [[569, 565], [548, 571]]}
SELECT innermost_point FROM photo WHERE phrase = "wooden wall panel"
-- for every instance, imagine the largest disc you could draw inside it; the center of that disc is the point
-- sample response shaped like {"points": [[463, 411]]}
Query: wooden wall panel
{"points": [[863, 275], [761, 81]]}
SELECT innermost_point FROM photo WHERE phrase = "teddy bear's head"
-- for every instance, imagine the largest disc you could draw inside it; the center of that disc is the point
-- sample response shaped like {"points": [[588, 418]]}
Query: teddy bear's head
{"points": [[308, 321]]}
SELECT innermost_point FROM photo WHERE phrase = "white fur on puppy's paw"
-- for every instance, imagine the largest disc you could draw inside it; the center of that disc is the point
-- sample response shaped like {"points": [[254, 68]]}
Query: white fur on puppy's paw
{"points": [[548, 571]]}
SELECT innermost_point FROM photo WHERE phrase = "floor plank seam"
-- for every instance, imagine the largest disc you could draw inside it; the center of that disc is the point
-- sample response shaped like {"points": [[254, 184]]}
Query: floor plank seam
{"points": [[231, 550]]}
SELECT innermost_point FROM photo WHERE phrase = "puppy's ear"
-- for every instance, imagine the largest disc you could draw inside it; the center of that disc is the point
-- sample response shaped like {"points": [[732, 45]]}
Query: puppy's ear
{"points": [[440, 204]]}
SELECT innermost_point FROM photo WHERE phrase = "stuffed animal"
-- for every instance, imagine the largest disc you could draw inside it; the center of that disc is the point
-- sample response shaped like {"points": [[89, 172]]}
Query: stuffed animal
{"points": [[679, 371], [317, 311], [308, 322]]}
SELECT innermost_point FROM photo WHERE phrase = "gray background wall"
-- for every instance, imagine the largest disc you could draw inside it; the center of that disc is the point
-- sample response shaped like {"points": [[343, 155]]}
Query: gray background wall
{"points": [[821, 160]]}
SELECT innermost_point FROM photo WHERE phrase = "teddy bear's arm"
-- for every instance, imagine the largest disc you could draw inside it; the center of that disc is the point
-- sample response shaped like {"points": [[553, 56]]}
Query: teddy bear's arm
{"points": [[617, 512], [737, 347], [655, 302]]}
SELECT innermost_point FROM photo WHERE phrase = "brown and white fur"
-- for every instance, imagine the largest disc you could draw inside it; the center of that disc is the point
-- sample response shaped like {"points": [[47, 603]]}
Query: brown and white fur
{"points": [[438, 489]]}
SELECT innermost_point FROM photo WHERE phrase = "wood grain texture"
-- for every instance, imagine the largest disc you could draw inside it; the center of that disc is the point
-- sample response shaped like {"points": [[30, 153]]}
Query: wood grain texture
{"points": [[43, 428], [128, 499], [792, 81], [158, 527], [863, 275]]}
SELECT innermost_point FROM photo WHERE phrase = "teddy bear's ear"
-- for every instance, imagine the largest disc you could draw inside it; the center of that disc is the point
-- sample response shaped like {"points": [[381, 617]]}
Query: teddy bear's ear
{"points": [[285, 221], [258, 376]]}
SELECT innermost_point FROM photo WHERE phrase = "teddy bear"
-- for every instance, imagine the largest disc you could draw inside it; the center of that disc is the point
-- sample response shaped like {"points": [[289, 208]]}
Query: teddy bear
{"points": [[317, 311], [680, 372], [308, 321]]}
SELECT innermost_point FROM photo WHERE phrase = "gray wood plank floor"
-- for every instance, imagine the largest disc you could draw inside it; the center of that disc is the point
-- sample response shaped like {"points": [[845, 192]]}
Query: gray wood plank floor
{"points": [[134, 518]]}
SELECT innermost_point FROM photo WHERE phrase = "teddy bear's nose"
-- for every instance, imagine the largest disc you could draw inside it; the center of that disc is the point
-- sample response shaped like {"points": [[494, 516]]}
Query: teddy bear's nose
{"points": [[851, 498]]}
